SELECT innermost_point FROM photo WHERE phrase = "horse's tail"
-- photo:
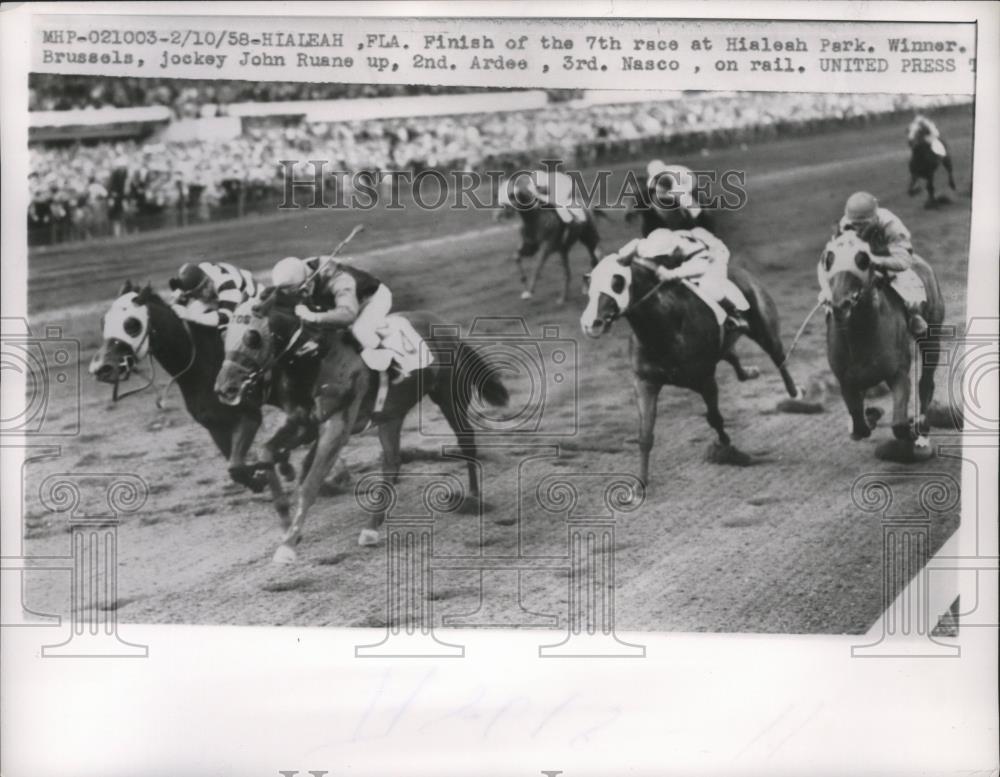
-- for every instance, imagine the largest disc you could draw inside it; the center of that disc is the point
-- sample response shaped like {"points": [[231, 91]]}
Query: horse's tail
{"points": [[484, 376]]}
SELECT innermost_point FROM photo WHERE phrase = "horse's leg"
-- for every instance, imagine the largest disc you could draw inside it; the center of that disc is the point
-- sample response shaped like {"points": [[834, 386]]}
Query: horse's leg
{"points": [[899, 385], [388, 434], [742, 373], [764, 330], [567, 275], [854, 399], [931, 197], [333, 433], [710, 393], [456, 413], [536, 272], [646, 396], [925, 387], [242, 437], [950, 170]]}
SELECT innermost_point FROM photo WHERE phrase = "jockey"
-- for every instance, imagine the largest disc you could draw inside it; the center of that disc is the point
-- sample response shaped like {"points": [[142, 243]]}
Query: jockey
{"points": [[672, 184], [339, 295], [892, 252], [556, 189], [922, 126], [698, 256], [207, 293]]}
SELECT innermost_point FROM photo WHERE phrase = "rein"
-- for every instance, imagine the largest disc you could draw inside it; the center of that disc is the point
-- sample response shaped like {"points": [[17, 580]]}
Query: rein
{"points": [[161, 396], [115, 396], [636, 303]]}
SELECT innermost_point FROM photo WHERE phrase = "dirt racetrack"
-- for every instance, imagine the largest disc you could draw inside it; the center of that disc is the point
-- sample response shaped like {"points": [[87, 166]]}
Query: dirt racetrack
{"points": [[775, 547]]}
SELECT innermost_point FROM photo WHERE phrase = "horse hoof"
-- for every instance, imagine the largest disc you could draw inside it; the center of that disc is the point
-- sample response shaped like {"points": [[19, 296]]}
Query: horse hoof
{"points": [[750, 373], [872, 416], [905, 451], [367, 538], [799, 405], [727, 454], [526, 294], [285, 555]]}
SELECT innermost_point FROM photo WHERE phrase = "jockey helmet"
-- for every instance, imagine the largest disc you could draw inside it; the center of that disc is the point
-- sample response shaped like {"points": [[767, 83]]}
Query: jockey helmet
{"points": [[290, 271], [660, 242], [190, 277], [861, 208], [655, 168]]}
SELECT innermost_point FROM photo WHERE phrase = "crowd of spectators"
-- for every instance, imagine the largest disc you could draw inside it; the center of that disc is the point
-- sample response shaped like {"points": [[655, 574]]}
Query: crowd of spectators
{"points": [[75, 190], [192, 98]]}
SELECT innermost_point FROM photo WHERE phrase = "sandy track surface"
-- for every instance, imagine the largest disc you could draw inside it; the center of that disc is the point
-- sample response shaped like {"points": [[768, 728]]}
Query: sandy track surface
{"points": [[775, 547]]}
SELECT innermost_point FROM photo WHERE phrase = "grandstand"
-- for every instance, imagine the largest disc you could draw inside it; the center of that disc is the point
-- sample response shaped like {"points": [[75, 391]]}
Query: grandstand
{"points": [[143, 163]]}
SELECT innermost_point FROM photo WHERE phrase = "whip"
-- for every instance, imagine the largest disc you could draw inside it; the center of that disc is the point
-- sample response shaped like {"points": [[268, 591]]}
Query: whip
{"points": [[337, 249], [798, 334]]}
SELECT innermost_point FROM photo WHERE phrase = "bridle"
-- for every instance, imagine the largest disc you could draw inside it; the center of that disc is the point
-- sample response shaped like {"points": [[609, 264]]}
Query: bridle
{"points": [[257, 373], [647, 265], [161, 396]]}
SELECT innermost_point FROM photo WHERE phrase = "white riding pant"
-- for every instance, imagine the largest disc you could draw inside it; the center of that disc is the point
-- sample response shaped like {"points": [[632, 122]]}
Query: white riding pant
{"points": [[721, 289], [371, 317], [910, 287]]}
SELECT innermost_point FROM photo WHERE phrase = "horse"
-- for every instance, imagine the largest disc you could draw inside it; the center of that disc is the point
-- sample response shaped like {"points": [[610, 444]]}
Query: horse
{"points": [[336, 397], [139, 324], [544, 232], [924, 162], [676, 340], [868, 342], [652, 217]]}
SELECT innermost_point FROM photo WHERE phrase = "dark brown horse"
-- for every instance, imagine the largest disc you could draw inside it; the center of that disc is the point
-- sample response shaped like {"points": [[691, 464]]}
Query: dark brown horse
{"points": [[868, 341], [543, 232], [669, 214], [677, 340], [139, 324], [336, 393], [924, 162]]}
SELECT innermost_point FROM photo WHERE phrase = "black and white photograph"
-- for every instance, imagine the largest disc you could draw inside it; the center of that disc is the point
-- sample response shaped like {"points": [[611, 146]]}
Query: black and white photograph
{"points": [[580, 332]]}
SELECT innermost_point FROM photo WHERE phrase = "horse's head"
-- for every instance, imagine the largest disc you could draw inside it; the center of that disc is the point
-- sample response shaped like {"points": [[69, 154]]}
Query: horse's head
{"points": [[125, 334], [847, 262], [608, 294], [250, 347]]}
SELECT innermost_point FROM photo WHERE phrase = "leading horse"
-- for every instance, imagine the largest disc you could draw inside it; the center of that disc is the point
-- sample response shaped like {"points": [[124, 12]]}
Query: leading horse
{"points": [[868, 342], [543, 232], [139, 324], [336, 393], [677, 340]]}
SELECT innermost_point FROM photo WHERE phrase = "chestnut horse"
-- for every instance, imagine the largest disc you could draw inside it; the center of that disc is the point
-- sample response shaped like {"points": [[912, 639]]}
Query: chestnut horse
{"points": [[334, 395], [868, 341]]}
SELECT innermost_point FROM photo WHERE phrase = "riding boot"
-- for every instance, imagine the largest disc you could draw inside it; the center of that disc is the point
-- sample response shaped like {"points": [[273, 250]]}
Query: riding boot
{"points": [[735, 320], [917, 323]]}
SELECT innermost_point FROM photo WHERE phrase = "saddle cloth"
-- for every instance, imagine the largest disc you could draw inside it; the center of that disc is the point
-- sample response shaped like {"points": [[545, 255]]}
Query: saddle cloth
{"points": [[938, 147], [407, 347]]}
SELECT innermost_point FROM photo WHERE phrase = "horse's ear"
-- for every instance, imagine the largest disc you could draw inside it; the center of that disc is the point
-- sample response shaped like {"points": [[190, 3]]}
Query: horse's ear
{"points": [[126, 287], [862, 260]]}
